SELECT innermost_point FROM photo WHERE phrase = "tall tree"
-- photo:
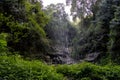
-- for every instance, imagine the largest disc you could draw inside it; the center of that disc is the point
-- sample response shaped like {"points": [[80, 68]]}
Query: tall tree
{"points": [[58, 22], [81, 8], [113, 46], [24, 22]]}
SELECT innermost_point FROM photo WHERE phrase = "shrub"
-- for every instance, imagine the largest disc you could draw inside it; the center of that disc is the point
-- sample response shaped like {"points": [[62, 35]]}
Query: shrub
{"points": [[3, 44], [15, 68], [87, 71]]}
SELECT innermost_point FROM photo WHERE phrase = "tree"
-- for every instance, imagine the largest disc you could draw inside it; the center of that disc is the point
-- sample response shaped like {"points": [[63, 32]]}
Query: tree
{"points": [[13, 7], [26, 31], [113, 47], [81, 8], [57, 27], [103, 18]]}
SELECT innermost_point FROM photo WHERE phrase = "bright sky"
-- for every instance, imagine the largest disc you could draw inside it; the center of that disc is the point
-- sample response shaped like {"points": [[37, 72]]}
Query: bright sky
{"points": [[47, 2], [67, 8]]}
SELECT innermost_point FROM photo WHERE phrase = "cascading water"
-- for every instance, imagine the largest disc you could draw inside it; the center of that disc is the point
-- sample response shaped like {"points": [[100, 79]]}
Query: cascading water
{"points": [[61, 47], [58, 29]]}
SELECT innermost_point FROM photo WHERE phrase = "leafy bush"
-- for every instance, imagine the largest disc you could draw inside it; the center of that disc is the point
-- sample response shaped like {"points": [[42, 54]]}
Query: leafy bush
{"points": [[87, 71], [15, 68], [24, 22], [3, 43]]}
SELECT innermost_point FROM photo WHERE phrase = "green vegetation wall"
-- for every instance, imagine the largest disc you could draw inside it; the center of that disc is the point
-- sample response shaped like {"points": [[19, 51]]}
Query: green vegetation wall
{"points": [[24, 22], [114, 41], [99, 33]]}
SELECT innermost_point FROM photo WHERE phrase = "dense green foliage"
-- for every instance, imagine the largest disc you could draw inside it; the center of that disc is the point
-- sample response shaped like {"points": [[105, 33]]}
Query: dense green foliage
{"points": [[3, 44], [98, 33], [15, 68], [114, 41], [27, 32], [87, 71], [24, 23]]}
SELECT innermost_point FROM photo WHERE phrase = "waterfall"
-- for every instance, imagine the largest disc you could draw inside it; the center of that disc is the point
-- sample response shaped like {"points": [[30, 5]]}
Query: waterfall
{"points": [[61, 46]]}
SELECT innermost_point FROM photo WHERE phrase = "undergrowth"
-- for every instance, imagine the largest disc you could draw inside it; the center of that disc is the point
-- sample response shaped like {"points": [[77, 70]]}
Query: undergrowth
{"points": [[16, 68]]}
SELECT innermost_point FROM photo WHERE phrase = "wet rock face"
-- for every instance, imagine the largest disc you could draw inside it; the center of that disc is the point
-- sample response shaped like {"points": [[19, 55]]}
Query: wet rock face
{"points": [[61, 36], [91, 57], [62, 56], [62, 60]]}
